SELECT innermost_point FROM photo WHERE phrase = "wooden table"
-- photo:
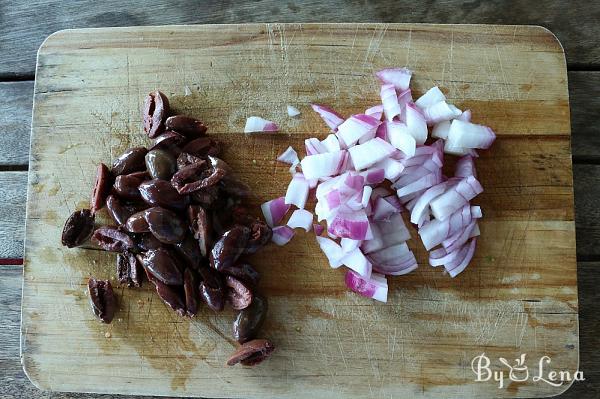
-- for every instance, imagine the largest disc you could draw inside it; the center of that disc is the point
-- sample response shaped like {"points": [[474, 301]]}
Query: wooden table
{"points": [[24, 26]]}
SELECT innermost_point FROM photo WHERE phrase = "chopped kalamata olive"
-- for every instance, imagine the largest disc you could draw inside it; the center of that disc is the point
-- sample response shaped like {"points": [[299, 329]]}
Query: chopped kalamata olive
{"points": [[137, 223], [238, 294], [172, 296], [200, 226], [235, 187], [189, 127], [252, 353], [229, 247], [147, 242], [163, 265], [126, 187], [213, 297], [199, 147], [129, 270], [248, 322], [243, 272], [117, 211], [165, 225], [168, 141], [189, 250], [102, 299], [208, 198], [160, 164], [161, 193], [156, 109], [184, 159], [198, 175], [130, 161], [260, 236], [191, 290], [101, 187], [78, 228], [111, 239]]}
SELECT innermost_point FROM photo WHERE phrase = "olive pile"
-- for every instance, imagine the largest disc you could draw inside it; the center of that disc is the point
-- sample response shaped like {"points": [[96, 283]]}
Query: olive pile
{"points": [[179, 221]]}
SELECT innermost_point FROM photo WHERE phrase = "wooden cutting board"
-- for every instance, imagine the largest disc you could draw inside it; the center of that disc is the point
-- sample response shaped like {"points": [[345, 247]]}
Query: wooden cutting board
{"points": [[519, 295]]}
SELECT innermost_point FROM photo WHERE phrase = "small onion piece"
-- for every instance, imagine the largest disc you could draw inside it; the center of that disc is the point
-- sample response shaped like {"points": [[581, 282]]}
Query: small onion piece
{"points": [[318, 229], [256, 124], [375, 287], [274, 210], [369, 153], [389, 100], [469, 135], [297, 191], [375, 111], [282, 235], [301, 218], [292, 111], [416, 124], [401, 138], [358, 262], [332, 250], [323, 165], [289, 156], [399, 77], [356, 127], [329, 116], [439, 112], [431, 96]]}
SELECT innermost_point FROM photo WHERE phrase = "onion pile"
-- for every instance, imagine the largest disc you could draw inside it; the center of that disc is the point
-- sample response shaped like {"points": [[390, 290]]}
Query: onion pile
{"points": [[354, 170]]}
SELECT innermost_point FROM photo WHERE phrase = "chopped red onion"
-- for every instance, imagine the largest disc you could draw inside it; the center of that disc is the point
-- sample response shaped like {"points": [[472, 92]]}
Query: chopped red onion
{"points": [[439, 112], [292, 111], [289, 156], [322, 165], [357, 126], [375, 287], [389, 100], [282, 235], [318, 229], [465, 167], [331, 143], [441, 129], [416, 124], [431, 96], [375, 111], [352, 224], [314, 146], [301, 218], [399, 77], [330, 117], [274, 210], [421, 206], [297, 191], [358, 262], [349, 244], [454, 269], [400, 137], [332, 250], [256, 124], [369, 153], [465, 116], [469, 135], [455, 197]]}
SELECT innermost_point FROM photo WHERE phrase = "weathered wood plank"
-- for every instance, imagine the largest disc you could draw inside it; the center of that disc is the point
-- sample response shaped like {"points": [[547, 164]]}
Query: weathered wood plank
{"points": [[574, 22], [585, 103], [15, 122], [14, 383], [587, 211], [13, 191]]}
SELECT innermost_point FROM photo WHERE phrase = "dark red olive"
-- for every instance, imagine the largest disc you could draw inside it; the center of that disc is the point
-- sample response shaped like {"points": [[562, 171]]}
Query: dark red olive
{"points": [[260, 236], [160, 164], [166, 226], [161, 193], [117, 211], [198, 175], [137, 223], [101, 187], [243, 272], [238, 294], [102, 299], [111, 239], [78, 228], [189, 251], [156, 109], [147, 242], [162, 265], [200, 226], [229, 247], [213, 297], [252, 353], [129, 270], [248, 322], [208, 198], [130, 161], [184, 159], [191, 290], [185, 125], [126, 186], [170, 295], [169, 141]]}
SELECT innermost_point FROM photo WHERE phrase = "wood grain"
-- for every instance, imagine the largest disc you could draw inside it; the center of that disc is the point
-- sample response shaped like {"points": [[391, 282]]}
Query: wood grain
{"points": [[12, 213], [15, 122], [25, 24], [520, 291]]}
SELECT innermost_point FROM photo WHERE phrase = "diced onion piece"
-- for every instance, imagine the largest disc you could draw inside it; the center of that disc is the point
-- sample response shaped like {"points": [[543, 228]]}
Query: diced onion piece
{"points": [[422, 205], [469, 135], [332, 250], [331, 143], [404, 98], [383, 209], [256, 124], [329, 116], [289, 156], [391, 168], [422, 183], [403, 264], [390, 254], [399, 77], [375, 287], [373, 175], [431, 96], [350, 224], [322, 165], [416, 124], [292, 111], [375, 111], [297, 191], [318, 229], [274, 210], [439, 112], [453, 270], [389, 100], [400, 137], [301, 218], [366, 195], [465, 116], [465, 167], [349, 244], [369, 153], [282, 235], [357, 126], [441, 129], [358, 262], [314, 146], [455, 197]]}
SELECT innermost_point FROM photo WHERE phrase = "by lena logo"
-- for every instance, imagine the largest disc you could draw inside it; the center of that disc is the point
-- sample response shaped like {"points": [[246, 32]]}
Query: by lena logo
{"points": [[519, 372]]}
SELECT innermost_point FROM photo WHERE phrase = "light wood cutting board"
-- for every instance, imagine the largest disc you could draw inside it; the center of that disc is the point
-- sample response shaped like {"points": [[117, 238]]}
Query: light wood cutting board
{"points": [[519, 295]]}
